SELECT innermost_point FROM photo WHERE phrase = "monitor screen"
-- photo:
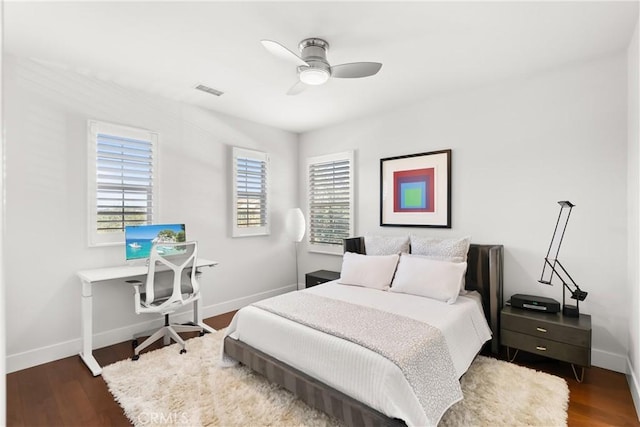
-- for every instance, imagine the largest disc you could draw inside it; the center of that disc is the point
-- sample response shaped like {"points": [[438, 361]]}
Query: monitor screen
{"points": [[140, 238]]}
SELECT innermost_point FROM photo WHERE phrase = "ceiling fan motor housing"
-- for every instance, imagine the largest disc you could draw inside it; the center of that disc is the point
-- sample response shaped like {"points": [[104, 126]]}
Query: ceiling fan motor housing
{"points": [[314, 52]]}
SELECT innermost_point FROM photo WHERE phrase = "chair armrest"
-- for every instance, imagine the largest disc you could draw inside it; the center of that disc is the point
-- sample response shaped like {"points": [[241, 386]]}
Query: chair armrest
{"points": [[136, 297], [136, 284]]}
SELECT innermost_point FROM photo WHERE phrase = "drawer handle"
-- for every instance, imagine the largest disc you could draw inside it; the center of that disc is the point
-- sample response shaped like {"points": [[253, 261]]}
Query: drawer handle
{"points": [[541, 330], [540, 348]]}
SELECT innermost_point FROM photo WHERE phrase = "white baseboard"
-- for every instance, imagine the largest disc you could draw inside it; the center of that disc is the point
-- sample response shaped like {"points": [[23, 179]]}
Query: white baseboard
{"points": [[634, 387], [27, 359], [227, 306], [607, 360]]}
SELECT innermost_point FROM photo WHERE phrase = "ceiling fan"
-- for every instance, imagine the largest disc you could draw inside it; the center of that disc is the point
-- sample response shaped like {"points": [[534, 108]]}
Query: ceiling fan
{"points": [[313, 67]]}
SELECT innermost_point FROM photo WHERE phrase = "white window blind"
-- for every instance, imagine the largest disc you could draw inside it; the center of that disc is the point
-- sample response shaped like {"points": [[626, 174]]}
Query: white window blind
{"points": [[330, 201], [121, 180], [250, 207]]}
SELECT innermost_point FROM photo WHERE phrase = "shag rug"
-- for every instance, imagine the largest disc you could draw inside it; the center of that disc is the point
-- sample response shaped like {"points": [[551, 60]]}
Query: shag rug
{"points": [[167, 388]]}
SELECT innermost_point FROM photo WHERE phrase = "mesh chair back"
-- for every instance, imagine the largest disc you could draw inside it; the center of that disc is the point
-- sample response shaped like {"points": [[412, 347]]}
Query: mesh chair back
{"points": [[171, 279]]}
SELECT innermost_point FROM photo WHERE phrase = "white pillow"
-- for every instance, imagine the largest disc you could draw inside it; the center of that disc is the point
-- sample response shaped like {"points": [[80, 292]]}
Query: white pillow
{"points": [[443, 248], [430, 278], [386, 245], [368, 270], [463, 282]]}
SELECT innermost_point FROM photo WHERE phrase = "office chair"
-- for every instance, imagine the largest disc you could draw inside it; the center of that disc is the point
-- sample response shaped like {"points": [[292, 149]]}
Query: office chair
{"points": [[171, 283]]}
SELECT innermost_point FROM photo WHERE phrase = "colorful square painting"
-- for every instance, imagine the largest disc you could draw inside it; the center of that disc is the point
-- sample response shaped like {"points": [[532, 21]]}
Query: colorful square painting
{"points": [[415, 190]]}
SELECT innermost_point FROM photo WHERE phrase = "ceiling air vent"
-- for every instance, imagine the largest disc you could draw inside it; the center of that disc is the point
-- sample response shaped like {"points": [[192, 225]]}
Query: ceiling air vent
{"points": [[210, 90]]}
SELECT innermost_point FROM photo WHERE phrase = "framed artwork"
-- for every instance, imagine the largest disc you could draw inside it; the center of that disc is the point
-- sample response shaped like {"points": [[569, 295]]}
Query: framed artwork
{"points": [[415, 190]]}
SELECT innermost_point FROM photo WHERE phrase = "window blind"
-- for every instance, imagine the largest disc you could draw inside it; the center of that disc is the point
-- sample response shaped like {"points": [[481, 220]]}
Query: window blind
{"points": [[251, 192], [124, 182], [330, 207], [250, 207]]}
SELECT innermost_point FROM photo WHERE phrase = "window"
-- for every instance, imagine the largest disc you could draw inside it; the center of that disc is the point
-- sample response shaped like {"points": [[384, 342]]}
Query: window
{"points": [[330, 201], [250, 193], [122, 167]]}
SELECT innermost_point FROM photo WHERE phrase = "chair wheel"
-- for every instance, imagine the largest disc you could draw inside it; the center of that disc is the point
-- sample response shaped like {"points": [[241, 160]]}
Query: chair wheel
{"points": [[135, 357], [184, 350], [201, 334]]}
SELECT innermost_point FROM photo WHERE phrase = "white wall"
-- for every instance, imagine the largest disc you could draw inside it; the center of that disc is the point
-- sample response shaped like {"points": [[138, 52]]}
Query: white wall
{"points": [[518, 148], [633, 194], [46, 112], [3, 378]]}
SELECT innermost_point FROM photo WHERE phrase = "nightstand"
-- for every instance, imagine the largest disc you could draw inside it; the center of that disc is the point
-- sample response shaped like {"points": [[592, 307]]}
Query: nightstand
{"points": [[567, 339], [320, 276]]}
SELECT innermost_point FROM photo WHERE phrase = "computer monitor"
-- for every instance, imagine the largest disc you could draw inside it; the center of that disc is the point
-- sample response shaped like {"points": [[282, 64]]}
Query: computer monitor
{"points": [[140, 238]]}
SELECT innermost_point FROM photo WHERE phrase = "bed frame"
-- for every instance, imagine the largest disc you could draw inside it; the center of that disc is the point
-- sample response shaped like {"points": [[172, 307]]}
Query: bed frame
{"points": [[484, 274]]}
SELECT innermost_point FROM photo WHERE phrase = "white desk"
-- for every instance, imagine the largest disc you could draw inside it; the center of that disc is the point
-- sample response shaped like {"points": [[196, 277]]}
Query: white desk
{"points": [[90, 277]]}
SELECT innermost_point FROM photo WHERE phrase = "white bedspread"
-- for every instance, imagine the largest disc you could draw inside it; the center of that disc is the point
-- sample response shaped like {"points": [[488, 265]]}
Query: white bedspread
{"points": [[355, 370]]}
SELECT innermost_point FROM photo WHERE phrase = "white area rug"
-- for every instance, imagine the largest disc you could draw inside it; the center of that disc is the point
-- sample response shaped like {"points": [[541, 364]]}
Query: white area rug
{"points": [[166, 388]]}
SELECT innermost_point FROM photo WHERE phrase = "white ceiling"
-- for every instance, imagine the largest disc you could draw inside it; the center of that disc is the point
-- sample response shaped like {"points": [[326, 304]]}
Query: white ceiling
{"points": [[426, 48]]}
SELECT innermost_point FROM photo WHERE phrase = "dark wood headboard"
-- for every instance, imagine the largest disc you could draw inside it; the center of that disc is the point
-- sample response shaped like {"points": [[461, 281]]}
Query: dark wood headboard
{"points": [[484, 274]]}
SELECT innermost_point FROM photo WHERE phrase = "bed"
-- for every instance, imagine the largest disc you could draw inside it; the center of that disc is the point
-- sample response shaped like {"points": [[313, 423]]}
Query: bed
{"points": [[352, 383]]}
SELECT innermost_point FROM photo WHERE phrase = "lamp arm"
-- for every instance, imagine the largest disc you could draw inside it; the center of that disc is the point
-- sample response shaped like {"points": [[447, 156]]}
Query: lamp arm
{"points": [[552, 266], [566, 279], [555, 272], [564, 271]]}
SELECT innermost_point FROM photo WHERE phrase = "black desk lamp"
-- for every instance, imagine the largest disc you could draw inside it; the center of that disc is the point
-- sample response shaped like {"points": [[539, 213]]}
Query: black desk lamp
{"points": [[556, 269]]}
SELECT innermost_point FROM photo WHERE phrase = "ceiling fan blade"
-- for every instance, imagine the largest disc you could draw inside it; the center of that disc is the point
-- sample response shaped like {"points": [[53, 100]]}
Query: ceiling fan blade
{"points": [[282, 52], [297, 88], [355, 70]]}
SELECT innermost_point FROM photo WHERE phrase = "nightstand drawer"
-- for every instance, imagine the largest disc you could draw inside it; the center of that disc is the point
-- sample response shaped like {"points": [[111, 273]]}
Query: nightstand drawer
{"points": [[546, 347], [546, 326]]}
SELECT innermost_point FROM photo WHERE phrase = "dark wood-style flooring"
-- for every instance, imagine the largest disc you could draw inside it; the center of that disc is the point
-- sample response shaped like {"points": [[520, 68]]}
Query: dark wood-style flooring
{"points": [[64, 393]]}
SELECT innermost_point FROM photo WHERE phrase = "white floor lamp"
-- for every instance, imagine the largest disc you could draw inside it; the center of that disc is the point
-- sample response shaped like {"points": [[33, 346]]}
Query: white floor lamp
{"points": [[295, 226]]}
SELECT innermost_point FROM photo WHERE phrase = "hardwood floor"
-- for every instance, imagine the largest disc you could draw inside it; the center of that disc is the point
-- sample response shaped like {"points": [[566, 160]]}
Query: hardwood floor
{"points": [[64, 393], [602, 399]]}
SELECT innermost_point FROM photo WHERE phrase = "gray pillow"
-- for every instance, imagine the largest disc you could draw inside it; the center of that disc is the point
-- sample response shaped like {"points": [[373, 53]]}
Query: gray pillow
{"points": [[440, 248], [386, 245]]}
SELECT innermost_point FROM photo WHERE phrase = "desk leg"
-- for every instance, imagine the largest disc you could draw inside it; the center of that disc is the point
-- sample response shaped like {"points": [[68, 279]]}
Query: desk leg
{"points": [[86, 354], [197, 316]]}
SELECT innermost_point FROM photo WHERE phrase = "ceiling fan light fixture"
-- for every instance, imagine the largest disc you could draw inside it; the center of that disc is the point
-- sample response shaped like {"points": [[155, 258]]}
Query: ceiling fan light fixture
{"points": [[313, 68], [314, 76]]}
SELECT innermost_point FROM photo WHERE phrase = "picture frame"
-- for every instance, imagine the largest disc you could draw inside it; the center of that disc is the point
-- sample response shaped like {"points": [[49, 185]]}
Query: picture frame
{"points": [[415, 190]]}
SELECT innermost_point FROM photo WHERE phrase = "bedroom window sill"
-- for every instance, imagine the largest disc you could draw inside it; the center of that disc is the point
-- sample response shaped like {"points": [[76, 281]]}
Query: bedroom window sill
{"points": [[326, 250]]}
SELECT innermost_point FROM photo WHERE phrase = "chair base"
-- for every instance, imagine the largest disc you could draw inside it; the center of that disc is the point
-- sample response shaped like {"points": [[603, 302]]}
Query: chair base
{"points": [[167, 332]]}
